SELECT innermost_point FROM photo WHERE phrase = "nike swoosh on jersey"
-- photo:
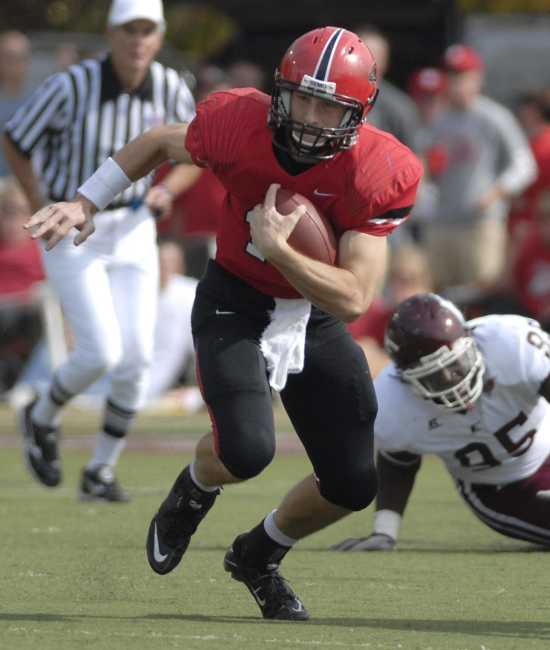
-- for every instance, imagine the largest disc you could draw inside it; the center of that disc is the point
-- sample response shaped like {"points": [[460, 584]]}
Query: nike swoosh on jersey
{"points": [[318, 193], [159, 557]]}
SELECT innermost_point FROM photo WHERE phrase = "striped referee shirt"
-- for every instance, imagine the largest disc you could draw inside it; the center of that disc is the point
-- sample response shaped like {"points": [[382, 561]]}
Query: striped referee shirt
{"points": [[79, 117]]}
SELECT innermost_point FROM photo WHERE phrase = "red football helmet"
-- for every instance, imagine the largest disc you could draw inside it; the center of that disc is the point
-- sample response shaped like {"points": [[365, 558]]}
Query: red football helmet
{"points": [[335, 65], [429, 342]]}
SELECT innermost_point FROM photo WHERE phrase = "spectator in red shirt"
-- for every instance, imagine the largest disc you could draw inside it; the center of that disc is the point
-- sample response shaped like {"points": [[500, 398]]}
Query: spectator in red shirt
{"points": [[20, 270], [408, 274], [532, 266], [20, 263], [194, 219], [533, 113]]}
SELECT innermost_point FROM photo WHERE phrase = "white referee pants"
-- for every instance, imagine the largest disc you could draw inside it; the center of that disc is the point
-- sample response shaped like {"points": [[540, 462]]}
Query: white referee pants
{"points": [[108, 288]]}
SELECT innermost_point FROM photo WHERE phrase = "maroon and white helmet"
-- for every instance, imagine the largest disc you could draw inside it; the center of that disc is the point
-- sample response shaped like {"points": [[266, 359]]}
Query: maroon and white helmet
{"points": [[428, 340]]}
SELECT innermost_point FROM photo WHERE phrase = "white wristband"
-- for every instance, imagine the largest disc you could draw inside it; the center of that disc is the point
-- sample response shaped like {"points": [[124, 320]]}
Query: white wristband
{"points": [[107, 182], [387, 522]]}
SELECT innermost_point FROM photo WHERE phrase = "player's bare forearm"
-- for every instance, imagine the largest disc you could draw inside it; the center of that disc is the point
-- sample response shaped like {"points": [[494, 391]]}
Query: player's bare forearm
{"points": [[136, 159], [151, 149], [395, 483], [347, 290], [332, 289], [21, 167]]}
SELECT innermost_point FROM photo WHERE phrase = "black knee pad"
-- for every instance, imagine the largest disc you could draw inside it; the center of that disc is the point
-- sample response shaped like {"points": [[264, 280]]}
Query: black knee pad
{"points": [[354, 490], [249, 452]]}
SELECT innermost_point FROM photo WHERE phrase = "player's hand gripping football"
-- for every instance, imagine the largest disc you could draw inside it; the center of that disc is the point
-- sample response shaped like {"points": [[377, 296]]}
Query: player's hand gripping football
{"points": [[54, 222], [374, 542], [270, 229]]}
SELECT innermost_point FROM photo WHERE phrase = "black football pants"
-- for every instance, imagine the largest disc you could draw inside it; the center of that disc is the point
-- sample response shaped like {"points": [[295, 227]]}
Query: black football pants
{"points": [[331, 403]]}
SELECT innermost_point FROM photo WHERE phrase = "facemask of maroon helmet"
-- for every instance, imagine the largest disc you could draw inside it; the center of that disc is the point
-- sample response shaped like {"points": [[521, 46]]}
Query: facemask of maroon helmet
{"points": [[428, 340], [334, 65]]}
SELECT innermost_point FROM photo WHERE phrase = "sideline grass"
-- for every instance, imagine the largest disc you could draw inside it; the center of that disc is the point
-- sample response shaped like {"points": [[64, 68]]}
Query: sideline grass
{"points": [[75, 575]]}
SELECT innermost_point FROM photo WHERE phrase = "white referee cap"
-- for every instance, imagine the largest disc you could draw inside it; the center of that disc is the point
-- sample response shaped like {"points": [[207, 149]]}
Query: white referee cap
{"points": [[124, 11]]}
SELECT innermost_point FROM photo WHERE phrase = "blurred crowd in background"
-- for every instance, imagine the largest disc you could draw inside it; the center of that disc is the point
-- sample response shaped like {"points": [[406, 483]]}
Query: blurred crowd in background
{"points": [[480, 232]]}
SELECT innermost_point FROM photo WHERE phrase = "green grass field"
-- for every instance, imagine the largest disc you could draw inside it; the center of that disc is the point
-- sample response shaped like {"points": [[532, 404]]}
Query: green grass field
{"points": [[75, 576]]}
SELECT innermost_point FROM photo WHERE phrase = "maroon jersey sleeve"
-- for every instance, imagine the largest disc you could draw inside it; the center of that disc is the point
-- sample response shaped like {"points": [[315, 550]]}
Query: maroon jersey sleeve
{"points": [[384, 192], [214, 136]]}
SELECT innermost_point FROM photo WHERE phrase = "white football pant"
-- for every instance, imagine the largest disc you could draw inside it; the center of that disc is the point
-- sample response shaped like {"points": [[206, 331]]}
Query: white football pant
{"points": [[108, 288]]}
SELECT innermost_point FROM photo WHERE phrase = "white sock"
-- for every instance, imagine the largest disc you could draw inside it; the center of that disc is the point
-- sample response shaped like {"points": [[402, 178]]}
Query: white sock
{"points": [[201, 486], [107, 450], [276, 533]]}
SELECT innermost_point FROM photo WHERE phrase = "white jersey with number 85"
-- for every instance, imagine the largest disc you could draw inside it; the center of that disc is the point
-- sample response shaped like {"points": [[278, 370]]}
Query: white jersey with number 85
{"points": [[505, 437]]}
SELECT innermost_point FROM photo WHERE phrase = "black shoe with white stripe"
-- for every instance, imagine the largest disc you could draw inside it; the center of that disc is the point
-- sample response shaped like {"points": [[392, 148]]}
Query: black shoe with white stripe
{"points": [[100, 484], [275, 597], [40, 448], [177, 519]]}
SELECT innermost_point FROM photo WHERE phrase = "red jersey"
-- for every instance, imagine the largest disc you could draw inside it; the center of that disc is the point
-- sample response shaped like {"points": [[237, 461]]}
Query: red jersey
{"points": [[524, 208], [372, 324], [369, 188], [195, 211], [532, 274], [20, 267]]}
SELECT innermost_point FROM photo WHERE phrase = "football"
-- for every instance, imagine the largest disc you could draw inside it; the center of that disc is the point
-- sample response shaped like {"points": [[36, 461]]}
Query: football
{"points": [[313, 235]]}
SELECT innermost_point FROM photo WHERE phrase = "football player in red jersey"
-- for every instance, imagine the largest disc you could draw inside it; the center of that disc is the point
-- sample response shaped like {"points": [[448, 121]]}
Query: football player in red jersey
{"points": [[267, 317]]}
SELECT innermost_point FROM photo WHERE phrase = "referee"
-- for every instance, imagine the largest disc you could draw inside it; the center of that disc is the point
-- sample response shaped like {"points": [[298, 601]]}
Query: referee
{"points": [[108, 288]]}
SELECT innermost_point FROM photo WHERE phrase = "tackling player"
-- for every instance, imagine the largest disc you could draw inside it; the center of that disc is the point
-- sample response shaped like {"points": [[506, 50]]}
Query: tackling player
{"points": [[265, 316], [477, 395]]}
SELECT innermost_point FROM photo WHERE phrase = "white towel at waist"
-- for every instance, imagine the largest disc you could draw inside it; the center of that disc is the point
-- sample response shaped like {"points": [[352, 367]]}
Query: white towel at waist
{"points": [[283, 341]]}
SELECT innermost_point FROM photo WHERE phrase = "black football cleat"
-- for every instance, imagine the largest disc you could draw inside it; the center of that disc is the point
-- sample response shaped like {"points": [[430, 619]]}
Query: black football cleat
{"points": [[40, 448], [270, 590], [100, 484], [177, 519]]}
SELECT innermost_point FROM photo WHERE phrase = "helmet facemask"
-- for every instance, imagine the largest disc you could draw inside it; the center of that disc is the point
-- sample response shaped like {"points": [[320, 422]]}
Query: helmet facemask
{"points": [[307, 142], [451, 377]]}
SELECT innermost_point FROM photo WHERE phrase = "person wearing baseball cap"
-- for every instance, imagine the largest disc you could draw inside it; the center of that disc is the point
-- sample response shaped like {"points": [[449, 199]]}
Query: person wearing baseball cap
{"points": [[462, 58], [125, 11], [112, 100], [427, 87], [479, 159], [427, 81], [465, 73], [135, 31]]}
